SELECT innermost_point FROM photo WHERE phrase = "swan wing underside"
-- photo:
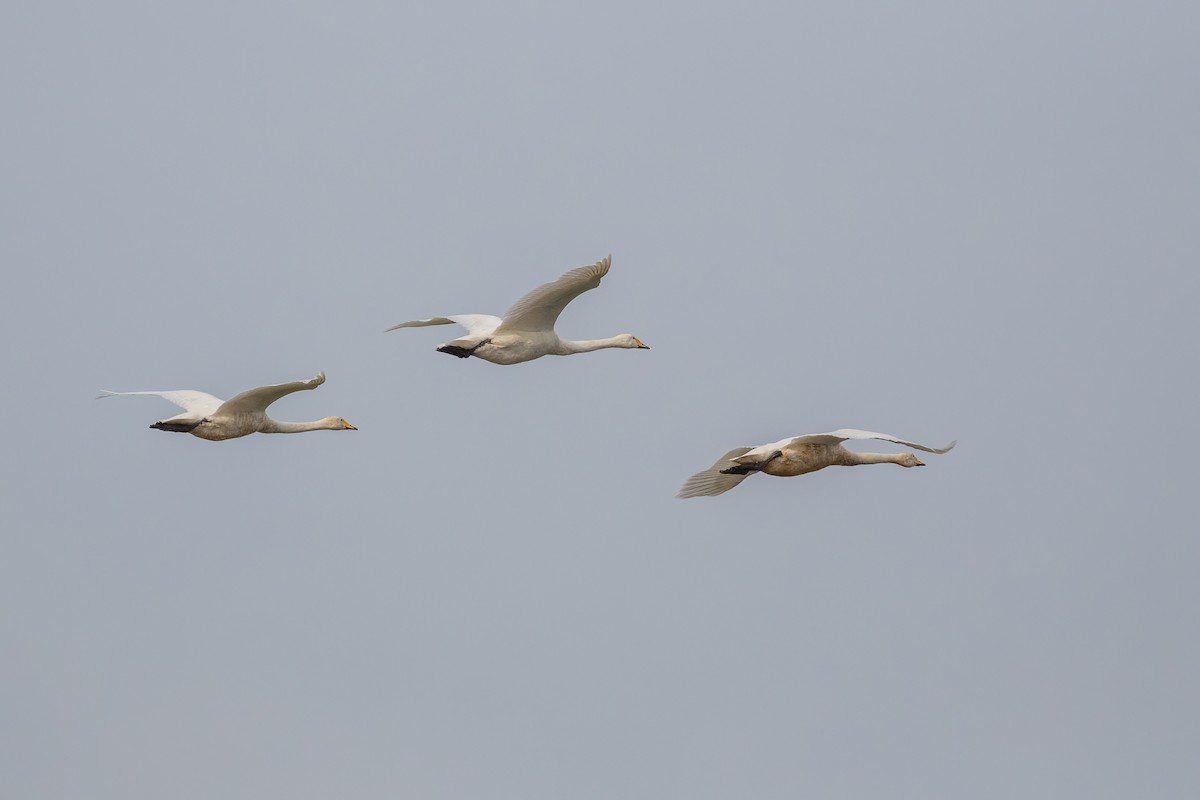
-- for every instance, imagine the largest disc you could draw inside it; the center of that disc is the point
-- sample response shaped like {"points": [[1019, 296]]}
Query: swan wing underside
{"points": [[197, 404], [538, 310], [255, 400], [712, 481], [476, 324], [845, 434]]}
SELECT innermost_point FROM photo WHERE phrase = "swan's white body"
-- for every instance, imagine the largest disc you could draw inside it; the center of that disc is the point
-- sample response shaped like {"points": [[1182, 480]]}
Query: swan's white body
{"points": [[215, 419], [526, 331], [796, 456]]}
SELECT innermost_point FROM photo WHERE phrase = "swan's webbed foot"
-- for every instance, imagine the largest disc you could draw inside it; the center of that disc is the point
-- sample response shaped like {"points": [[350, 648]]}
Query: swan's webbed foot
{"points": [[178, 427], [753, 466], [461, 352]]}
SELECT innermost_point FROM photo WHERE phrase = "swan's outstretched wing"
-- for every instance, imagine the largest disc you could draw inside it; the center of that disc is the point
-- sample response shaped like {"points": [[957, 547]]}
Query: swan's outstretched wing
{"points": [[539, 309], [254, 400], [476, 324], [712, 481], [197, 404], [839, 436]]}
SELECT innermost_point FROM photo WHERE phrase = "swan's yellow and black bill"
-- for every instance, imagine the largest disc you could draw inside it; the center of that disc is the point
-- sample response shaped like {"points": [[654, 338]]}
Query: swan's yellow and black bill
{"points": [[641, 345], [349, 427]]}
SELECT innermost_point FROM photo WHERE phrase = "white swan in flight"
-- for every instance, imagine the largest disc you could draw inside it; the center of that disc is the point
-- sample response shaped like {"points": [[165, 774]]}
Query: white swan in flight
{"points": [[797, 456], [215, 419], [527, 330]]}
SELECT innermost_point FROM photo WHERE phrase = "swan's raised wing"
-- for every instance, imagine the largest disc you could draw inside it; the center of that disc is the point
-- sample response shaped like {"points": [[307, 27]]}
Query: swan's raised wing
{"points": [[197, 404], [254, 400], [476, 324], [712, 481], [539, 309], [844, 434]]}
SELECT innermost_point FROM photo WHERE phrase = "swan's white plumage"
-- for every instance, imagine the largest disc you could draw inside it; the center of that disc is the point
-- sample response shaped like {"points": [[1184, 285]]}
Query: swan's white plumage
{"points": [[476, 324], [526, 331], [216, 419], [195, 404], [256, 400], [539, 308], [797, 455]]}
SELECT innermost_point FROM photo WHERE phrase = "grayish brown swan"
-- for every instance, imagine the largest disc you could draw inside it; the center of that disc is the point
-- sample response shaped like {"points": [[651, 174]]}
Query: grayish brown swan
{"points": [[797, 456]]}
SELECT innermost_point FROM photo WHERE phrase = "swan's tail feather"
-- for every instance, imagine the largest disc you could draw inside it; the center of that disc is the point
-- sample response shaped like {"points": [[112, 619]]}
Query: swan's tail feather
{"points": [[176, 427], [713, 481]]}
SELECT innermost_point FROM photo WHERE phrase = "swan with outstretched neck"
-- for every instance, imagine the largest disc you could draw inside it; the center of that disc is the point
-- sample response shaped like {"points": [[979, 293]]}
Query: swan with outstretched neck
{"points": [[215, 419], [797, 456], [526, 331]]}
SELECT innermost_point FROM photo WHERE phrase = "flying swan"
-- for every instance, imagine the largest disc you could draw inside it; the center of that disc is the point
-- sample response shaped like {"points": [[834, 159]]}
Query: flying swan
{"points": [[797, 456], [215, 419], [527, 330]]}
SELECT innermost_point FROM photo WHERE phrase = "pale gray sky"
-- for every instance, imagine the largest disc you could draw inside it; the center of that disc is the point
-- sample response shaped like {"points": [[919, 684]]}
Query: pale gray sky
{"points": [[935, 219]]}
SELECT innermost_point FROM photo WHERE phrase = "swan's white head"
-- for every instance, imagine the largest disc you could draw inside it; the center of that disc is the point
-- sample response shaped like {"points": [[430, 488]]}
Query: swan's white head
{"points": [[337, 424], [910, 460], [631, 341]]}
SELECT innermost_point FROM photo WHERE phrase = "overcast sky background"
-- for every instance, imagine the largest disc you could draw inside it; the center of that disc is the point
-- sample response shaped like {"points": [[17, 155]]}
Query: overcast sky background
{"points": [[935, 219]]}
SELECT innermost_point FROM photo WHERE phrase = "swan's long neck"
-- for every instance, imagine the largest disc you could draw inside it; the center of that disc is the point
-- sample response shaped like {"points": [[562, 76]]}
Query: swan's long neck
{"points": [[274, 426], [568, 347], [854, 459]]}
